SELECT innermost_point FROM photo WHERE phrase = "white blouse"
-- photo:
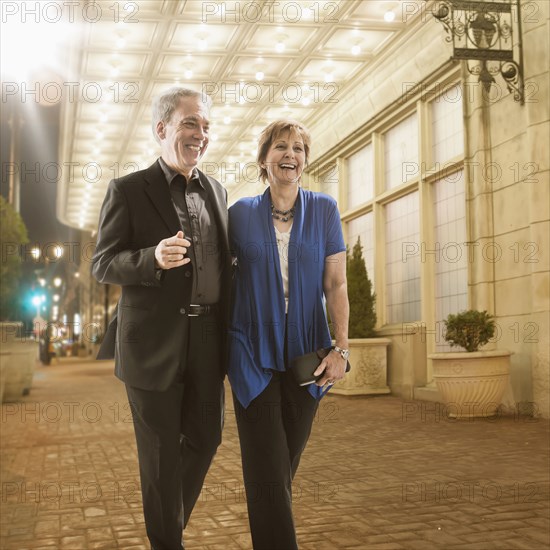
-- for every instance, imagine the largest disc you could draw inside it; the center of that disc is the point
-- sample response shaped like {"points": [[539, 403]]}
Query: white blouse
{"points": [[282, 246]]}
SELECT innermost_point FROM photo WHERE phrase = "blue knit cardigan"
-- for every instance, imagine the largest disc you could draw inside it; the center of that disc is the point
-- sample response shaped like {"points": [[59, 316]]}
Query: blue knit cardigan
{"points": [[257, 330]]}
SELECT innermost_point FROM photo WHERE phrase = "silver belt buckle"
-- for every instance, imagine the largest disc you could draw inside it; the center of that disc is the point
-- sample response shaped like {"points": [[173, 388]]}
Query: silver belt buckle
{"points": [[193, 314]]}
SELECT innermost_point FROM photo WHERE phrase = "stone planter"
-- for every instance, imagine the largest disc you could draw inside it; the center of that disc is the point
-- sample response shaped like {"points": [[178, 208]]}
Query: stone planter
{"points": [[471, 384], [2, 379], [17, 364], [368, 375], [10, 331]]}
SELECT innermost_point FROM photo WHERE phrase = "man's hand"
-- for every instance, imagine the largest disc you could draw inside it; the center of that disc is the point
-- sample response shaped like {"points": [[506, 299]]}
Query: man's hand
{"points": [[171, 252]]}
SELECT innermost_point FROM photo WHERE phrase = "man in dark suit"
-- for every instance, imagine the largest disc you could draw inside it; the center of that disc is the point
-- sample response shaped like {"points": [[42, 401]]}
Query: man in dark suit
{"points": [[163, 237]]}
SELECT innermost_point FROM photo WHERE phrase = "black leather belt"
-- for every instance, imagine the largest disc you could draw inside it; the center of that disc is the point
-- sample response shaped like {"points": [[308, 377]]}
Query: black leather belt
{"points": [[195, 310]]}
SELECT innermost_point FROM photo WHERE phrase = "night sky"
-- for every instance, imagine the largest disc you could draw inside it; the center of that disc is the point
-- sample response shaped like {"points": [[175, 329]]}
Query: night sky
{"points": [[38, 194], [39, 140]]}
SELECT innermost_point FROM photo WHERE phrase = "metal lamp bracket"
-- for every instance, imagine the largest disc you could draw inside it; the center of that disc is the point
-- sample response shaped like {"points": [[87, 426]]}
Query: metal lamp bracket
{"points": [[488, 32]]}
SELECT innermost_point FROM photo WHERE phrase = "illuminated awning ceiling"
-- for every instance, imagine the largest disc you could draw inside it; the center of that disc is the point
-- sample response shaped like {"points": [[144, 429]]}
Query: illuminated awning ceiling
{"points": [[258, 60]]}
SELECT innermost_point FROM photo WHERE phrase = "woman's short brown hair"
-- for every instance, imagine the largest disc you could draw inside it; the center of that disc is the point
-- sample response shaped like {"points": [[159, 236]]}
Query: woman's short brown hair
{"points": [[272, 132]]}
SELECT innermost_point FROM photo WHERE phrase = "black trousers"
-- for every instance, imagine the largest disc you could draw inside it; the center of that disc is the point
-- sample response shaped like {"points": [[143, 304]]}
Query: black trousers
{"points": [[273, 432], [177, 434]]}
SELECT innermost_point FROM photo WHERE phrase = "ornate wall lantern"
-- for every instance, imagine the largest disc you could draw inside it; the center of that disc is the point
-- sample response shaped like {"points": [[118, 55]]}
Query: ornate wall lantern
{"points": [[485, 31]]}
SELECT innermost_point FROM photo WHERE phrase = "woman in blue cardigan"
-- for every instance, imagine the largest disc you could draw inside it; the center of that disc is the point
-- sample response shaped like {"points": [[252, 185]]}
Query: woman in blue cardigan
{"points": [[291, 257]]}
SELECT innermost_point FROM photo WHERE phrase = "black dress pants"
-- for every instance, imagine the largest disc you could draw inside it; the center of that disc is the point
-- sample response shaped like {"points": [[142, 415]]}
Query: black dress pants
{"points": [[273, 432], [177, 434]]}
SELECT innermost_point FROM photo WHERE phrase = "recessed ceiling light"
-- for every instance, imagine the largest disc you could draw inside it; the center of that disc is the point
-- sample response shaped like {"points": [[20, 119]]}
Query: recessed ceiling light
{"points": [[188, 73], [260, 75], [389, 16], [356, 50]]}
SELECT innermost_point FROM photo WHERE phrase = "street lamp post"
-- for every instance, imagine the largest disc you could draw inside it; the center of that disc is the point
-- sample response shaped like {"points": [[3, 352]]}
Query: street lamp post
{"points": [[15, 124]]}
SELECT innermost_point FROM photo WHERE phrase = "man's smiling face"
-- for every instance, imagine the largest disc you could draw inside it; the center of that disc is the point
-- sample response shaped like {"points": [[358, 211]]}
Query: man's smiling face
{"points": [[184, 138]]}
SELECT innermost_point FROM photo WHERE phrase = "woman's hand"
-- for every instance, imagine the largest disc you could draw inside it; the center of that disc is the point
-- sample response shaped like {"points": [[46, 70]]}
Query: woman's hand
{"points": [[332, 367]]}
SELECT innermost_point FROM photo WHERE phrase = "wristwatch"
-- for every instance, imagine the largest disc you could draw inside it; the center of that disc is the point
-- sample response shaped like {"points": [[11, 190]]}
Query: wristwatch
{"points": [[343, 352]]}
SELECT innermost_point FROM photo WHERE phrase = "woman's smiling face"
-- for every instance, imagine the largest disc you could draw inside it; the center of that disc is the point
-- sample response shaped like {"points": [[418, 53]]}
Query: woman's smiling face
{"points": [[285, 158]]}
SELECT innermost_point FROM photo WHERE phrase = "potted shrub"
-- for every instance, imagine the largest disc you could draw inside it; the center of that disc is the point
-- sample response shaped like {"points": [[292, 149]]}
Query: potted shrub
{"points": [[471, 382], [368, 361], [78, 349], [82, 350]]}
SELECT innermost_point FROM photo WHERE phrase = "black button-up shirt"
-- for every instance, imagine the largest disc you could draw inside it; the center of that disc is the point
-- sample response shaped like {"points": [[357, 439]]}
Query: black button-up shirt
{"points": [[198, 223]]}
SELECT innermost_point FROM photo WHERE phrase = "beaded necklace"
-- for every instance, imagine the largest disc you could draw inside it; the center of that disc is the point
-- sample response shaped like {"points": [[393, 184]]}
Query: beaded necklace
{"points": [[283, 215]]}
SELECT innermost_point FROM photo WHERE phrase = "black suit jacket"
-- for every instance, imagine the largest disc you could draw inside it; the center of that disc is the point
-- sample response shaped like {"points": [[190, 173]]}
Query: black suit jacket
{"points": [[148, 333]]}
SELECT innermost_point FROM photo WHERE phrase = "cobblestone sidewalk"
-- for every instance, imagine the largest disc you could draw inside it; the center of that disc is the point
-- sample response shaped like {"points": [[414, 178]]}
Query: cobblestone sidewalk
{"points": [[378, 473]]}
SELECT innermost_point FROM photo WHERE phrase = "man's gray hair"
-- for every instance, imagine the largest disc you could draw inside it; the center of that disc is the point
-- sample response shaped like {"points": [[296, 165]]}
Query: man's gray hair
{"points": [[166, 103]]}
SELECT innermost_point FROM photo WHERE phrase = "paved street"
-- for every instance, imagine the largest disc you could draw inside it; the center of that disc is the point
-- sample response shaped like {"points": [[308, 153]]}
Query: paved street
{"points": [[379, 473]]}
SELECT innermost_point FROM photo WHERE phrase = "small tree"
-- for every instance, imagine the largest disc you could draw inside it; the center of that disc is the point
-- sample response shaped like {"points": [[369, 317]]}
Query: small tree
{"points": [[13, 234], [362, 318], [469, 329]]}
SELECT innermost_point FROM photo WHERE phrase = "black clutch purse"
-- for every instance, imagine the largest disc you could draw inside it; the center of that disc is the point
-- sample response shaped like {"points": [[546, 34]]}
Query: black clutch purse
{"points": [[304, 366]]}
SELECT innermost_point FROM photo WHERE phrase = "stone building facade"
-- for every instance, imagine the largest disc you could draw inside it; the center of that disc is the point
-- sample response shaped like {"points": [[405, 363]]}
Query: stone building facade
{"points": [[448, 187]]}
